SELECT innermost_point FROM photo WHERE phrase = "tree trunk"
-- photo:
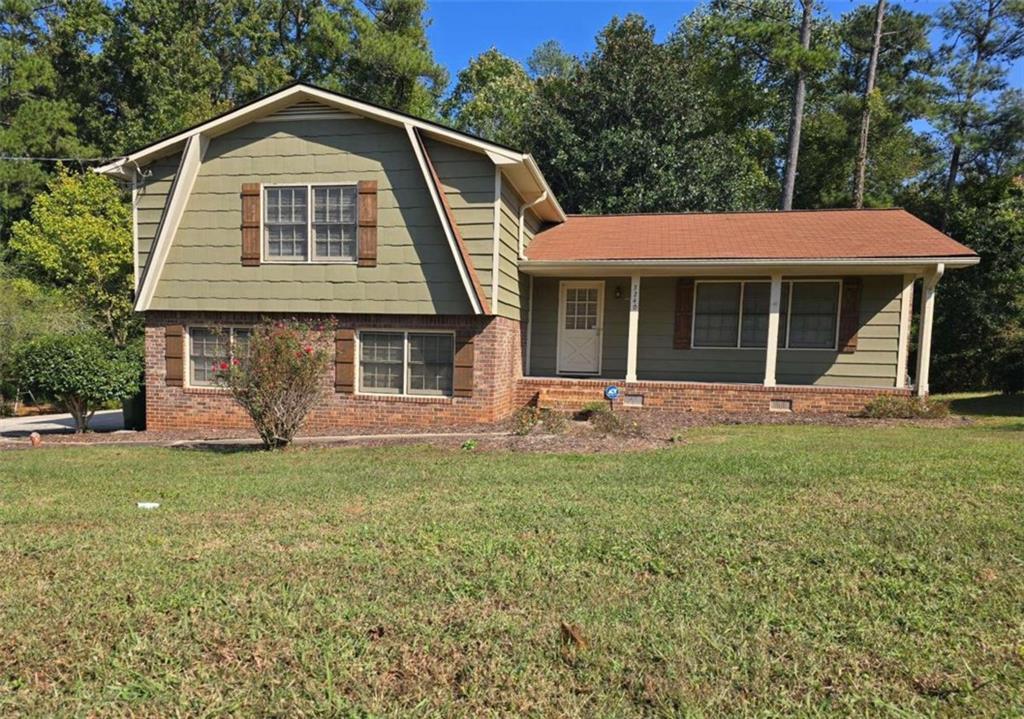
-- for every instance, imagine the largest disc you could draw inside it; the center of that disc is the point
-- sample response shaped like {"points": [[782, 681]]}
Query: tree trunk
{"points": [[865, 119], [797, 118]]}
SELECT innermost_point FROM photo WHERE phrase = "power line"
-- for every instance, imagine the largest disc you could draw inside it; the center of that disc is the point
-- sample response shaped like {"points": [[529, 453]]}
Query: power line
{"points": [[24, 158]]}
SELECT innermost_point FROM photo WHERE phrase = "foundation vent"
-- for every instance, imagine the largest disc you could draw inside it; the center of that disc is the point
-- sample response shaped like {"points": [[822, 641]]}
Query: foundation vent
{"points": [[780, 405], [633, 400]]}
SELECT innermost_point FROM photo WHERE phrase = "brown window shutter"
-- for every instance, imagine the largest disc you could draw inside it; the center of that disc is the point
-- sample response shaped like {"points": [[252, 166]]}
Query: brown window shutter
{"points": [[174, 355], [250, 224], [462, 386], [367, 212], [684, 314], [345, 361], [849, 315]]}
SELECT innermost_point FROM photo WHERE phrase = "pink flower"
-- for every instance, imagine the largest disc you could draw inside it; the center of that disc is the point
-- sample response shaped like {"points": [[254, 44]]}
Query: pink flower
{"points": [[309, 350], [235, 362], [223, 365]]}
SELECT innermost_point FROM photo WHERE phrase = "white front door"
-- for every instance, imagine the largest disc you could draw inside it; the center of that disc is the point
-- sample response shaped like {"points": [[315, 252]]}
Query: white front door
{"points": [[580, 319]]}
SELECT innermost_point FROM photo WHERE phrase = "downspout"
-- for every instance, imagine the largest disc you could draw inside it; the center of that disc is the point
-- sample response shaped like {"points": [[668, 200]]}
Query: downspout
{"points": [[522, 215]]}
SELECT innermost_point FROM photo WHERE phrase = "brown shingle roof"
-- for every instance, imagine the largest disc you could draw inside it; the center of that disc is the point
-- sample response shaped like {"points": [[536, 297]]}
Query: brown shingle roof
{"points": [[804, 235]]}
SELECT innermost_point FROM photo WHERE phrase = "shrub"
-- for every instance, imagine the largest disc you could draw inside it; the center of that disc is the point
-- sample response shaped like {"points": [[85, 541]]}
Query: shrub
{"points": [[605, 421], [553, 422], [524, 420], [889, 407], [82, 371], [277, 379]]}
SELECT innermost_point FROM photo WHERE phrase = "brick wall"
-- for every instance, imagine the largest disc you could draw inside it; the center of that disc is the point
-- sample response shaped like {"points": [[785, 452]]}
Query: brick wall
{"points": [[499, 387], [497, 367], [572, 394]]}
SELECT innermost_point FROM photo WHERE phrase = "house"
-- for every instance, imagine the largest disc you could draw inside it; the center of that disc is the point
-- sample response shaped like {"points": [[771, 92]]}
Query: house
{"points": [[461, 290]]}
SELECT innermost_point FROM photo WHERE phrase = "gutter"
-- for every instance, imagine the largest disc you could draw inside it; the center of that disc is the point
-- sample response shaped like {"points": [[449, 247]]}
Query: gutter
{"points": [[522, 216], [955, 261]]}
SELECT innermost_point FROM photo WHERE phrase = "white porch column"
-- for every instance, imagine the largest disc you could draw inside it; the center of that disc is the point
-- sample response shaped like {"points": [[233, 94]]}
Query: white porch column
{"points": [[634, 327], [924, 345], [906, 310], [772, 349]]}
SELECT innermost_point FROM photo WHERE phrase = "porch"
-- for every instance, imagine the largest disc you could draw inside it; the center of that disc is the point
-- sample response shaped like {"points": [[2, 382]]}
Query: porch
{"points": [[796, 339]]}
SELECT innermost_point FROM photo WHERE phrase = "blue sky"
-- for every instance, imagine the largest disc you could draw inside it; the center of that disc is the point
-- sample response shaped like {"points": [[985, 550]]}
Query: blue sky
{"points": [[462, 29]]}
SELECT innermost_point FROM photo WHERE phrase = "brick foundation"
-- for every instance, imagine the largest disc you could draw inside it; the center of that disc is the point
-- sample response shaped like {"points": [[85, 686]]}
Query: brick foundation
{"points": [[499, 387], [572, 394], [497, 367]]}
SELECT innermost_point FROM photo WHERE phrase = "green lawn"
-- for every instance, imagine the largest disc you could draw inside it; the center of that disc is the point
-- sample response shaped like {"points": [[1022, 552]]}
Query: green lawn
{"points": [[752, 570]]}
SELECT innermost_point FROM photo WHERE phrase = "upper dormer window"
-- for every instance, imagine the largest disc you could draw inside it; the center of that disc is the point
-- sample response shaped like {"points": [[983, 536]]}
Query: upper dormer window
{"points": [[293, 233]]}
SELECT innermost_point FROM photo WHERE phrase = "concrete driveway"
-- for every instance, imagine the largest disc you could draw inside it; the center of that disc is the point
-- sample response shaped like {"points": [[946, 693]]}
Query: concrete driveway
{"points": [[105, 421]]}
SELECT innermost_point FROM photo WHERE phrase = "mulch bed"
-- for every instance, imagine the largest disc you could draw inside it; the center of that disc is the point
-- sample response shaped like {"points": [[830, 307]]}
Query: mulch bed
{"points": [[644, 430]]}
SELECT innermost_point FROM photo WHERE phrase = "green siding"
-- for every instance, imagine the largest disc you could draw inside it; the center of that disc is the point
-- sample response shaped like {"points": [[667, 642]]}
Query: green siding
{"points": [[150, 200], [544, 345], [510, 294], [468, 181], [416, 273], [872, 365]]}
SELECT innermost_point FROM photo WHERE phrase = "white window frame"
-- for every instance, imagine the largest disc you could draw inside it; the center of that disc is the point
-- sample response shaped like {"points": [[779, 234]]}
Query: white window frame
{"points": [[310, 244], [187, 351], [783, 341], [358, 374]]}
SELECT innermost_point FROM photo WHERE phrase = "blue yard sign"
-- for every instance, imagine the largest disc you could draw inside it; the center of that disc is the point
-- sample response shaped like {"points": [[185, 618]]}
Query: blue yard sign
{"points": [[611, 392]]}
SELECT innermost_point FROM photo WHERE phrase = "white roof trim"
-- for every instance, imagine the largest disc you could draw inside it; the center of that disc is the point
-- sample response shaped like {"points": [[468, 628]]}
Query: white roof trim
{"points": [[868, 264], [442, 216], [283, 98], [184, 179]]}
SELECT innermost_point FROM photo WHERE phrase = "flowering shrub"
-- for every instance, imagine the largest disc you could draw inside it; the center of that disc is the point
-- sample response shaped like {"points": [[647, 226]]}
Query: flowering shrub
{"points": [[277, 377]]}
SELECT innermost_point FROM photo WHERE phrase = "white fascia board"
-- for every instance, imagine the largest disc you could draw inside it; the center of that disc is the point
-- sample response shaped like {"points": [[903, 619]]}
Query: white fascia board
{"points": [[442, 217], [284, 98], [501, 156], [184, 180], [872, 265]]}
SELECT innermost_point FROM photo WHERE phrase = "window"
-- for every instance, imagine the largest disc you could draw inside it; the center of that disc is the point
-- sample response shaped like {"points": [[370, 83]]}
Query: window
{"points": [[814, 315], [334, 222], [285, 222], [431, 359], [289, 223], [210, 348], [416, 363], [735, 314], [581, 308], [717, 314]]}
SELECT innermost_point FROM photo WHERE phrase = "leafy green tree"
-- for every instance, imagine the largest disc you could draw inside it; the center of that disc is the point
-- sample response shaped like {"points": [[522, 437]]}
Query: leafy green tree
{"points": [[46, 77], [979, 314], [28, 311], [77, 239], [169, 65], [749, 58], [983, 38], [629, 132], [82, 371], [549, 60], [904, 91], [492, 98]]}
